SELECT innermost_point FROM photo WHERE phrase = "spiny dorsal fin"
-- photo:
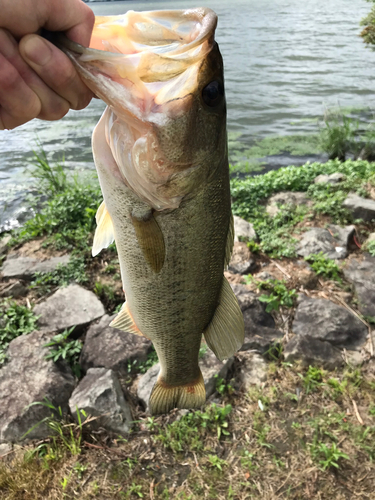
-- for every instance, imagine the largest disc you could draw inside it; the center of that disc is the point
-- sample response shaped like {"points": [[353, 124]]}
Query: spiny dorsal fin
{"points": [[230, 242], [150, 239], [104, 233], [124, 321], [226, 331]]}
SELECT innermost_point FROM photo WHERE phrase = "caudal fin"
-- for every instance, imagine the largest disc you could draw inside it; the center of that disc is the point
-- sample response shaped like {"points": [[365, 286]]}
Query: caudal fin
{"points": [[165, 397]]}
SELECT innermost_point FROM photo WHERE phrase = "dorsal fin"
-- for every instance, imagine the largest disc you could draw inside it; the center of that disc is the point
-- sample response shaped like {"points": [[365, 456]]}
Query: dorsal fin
{"points": [[104, 233]]}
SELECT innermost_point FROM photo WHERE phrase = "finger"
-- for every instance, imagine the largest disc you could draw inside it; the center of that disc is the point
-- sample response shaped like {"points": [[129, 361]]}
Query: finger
{"points": [[55, 69], [18, 103], [52, 106]]}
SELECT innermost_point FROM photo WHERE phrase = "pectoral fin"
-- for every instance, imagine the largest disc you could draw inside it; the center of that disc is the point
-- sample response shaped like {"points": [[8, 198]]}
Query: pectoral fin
{"points": [[104, 233], [124, 321], [150, 239], [226, 331], [230, 242]]}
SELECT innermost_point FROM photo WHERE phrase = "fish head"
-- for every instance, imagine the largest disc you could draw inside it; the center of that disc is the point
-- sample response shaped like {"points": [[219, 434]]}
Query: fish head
{"points": [[161, 75]]}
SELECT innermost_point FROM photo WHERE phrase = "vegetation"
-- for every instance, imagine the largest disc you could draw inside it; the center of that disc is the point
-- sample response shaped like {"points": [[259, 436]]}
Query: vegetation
{"points": [[278, 294], [368, 33], [324, 266], [67, 349]]}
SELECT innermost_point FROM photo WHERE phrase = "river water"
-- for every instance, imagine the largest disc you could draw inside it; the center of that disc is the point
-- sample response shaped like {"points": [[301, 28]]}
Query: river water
{"points": [[285, 60]]}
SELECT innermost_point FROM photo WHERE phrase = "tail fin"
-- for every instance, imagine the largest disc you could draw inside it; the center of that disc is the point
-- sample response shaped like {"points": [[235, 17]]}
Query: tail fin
{"points": [[166, 397]]}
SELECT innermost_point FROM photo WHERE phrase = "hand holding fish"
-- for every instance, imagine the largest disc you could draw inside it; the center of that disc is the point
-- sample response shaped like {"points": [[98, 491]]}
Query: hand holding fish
{"points": [[37, 80]]}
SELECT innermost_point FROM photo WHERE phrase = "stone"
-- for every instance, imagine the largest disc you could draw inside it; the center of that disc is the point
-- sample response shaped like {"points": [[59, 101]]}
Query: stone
{"points": [[333, 241], [312, 351], [99, 394], [5, 448], [335, 178], [28, 378], [4, 244], [26, 267], [308, 279], [362, 275], [360, 208], [260, 338], [324, 320], [14, 290], [292, 198], [68, 307], [243, 230], [112, 348], [252, 370], [241, 261], [211, 369]]}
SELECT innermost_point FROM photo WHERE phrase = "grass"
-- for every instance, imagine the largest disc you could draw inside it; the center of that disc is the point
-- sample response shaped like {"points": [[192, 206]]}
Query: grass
{"points": [[67, 349]]}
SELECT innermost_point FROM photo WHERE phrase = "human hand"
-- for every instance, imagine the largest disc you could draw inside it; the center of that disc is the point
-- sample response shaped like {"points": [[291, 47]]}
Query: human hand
{"points": [[37, 80]]}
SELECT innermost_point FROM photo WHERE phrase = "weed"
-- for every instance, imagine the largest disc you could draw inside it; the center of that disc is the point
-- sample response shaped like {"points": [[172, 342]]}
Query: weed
{"points": [[312, 379], [74, 271], [63, 348], [134, 489], [279, 295], [339, 135], [79, 469], [15, 320], [324, 266], [222, 387], [217, 462], [52, 179], [327, 456], [369, 246], [142, 366], [202, 350], [247, 460]]}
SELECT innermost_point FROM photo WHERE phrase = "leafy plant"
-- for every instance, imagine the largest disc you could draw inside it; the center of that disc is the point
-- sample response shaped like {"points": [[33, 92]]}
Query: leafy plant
{"points": [[15, 320], [324, 266], [278, 296], [327, 456], [222, 387], [217, 462], [312, 379], [74, 271], [63, 348], [370, 247]]}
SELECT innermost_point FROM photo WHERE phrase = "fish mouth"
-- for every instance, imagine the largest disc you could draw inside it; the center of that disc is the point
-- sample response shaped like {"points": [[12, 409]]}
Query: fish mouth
{"points": [[145, 66]]}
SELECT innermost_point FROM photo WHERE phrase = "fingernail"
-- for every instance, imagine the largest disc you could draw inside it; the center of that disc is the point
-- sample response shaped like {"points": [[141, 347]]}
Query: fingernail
{"points": [[37, 50]]}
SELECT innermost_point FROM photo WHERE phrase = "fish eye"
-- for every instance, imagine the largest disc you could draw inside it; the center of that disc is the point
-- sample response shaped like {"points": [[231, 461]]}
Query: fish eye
{"points": [[213, 93]]}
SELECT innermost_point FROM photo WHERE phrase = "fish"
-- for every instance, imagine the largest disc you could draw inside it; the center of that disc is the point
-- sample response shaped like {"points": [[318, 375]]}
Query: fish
{"points": [[160, 150]]}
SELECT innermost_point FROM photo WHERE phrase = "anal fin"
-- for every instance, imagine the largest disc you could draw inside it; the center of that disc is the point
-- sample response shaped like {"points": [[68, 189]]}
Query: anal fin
{"points": [[104, 233], [150, 239], [165, 397], [226, 332], [124, 321]]}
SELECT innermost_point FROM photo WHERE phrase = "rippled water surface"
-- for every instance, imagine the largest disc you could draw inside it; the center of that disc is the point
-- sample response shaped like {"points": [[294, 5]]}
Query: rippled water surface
{"points": [[284, 61]]}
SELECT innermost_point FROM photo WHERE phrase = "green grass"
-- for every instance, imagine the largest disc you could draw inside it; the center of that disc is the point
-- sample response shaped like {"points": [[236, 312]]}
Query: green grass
{"points": [[63, 275], [15, 320], [62, 347]]}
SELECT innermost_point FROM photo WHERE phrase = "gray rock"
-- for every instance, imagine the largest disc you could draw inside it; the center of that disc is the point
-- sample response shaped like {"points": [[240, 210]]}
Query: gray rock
{"points": [[361, 208], [333, 241], [28, 378], [14, 290], [112, 348], [312, 351], [252, 370], [292, 198], [243, 230], [70, 306], [335, 178], [253, 310], [260, 338], [5, 448], [4, 244], [99, 394], [25, 267], [210, 366], [362, 275], [241, 261], [324, 320]]}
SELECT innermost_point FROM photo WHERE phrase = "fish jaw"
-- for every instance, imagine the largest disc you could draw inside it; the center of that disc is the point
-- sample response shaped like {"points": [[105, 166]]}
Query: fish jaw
{"points": [[152, 82]]}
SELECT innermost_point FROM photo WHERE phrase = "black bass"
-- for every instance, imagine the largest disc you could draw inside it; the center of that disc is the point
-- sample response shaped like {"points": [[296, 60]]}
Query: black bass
{"points": [[160, 150]]}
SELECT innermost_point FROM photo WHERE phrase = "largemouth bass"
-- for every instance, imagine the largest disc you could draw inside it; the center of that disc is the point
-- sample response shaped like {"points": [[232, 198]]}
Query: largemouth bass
{"points": [[160, 150]]}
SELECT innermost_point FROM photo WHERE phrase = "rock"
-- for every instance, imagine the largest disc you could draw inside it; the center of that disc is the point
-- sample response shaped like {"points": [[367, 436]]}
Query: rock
{"points": [[14, 290], [243, 230], [4, 244], [354, 358], [28, 378], [112, 348], [70, 306], [312, 351], [333, 241], [308, 279], [371, 237], [209, 365], [252, 370], [324, 320], [360, 208], [99, 394], [241, 261], [25, 267], [293, 198], [362, 275], [260, 338], [335, 178]]}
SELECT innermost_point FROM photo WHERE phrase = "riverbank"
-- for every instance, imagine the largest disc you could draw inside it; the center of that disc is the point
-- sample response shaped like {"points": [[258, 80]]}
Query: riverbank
{"points": [[290, 416]]}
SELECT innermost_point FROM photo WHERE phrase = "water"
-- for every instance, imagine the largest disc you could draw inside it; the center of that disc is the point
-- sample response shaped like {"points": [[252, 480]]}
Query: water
{"points": [[284, 61]]}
